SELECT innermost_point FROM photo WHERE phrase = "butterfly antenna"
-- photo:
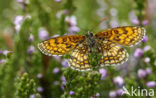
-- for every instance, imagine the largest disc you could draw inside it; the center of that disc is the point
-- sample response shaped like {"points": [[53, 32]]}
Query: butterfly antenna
{"points": [[95, 26], [84, 29]]}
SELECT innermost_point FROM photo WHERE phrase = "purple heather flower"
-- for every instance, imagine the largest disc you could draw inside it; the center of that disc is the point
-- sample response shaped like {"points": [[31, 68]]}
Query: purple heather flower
{"points": [[73, 29], [1, 52], [31, 49], [56, 70], [145, 22], [17, 22], [71, 20], [57, 58], [63, 80], [23, 1], [5, 52], [135, 21], [151, 84], [40, 89], [17, 28], [56, 35], [112, 94], [43, 34], [72, 23], [146, 48], [71, 92], [118, 80], [62, 87], [103, 73], [138, 53], [119, 92], [147, 60], [32, 96], [145, 39], [67, 19], [31, 38], [39, 75], [65, 63], [148, 71], [141, 73], [57, 0], [97, 94], [55, 83], [133, 17], [19, 1], [2, 61]]}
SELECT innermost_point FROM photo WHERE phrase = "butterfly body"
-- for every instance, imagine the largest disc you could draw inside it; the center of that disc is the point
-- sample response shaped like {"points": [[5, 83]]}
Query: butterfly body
{"points": [[90, 38], [104, 47]]}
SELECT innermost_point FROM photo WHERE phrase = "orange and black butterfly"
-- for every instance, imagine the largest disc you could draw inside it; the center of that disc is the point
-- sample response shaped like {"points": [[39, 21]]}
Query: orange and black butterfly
{"points": [[108, 43]]}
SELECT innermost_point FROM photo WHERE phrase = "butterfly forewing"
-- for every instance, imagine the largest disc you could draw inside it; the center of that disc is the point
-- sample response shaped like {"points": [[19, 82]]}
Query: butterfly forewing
{"points": [[127, 35], [60, 45]]}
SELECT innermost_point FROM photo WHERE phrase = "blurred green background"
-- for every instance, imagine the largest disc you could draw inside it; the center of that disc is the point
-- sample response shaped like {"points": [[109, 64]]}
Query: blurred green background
{"points": [[27, 73]]}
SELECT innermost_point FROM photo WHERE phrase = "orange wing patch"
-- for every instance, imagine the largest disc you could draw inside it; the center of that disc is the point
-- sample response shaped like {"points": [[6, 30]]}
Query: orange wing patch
{"points": [[112, 54], [60, 45], [127, 35]]}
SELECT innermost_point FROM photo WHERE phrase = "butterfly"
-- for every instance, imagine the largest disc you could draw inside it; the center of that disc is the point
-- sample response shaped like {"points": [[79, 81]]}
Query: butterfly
{"points": [[107, 43]]}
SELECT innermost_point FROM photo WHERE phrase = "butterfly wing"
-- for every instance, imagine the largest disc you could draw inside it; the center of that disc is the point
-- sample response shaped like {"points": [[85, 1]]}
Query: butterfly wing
{"points": [[79, 58], [127, 35], [60, 45], [112, 54]]}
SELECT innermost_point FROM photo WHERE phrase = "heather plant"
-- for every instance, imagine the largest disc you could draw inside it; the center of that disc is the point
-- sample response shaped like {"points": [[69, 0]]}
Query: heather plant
{"points": [[27, 73]]}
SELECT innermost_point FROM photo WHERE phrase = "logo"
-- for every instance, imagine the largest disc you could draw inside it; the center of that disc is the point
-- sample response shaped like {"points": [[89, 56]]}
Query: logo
{"points": [[137, 91]]}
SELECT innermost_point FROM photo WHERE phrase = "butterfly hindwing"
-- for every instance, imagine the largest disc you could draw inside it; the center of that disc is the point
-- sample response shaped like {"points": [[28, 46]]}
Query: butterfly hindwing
{"points": [[112, 54], [79, 58]]}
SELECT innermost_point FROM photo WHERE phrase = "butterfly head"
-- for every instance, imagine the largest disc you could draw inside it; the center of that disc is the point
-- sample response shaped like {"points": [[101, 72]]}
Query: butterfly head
{"points": [[89, 34], [90, 39]]}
